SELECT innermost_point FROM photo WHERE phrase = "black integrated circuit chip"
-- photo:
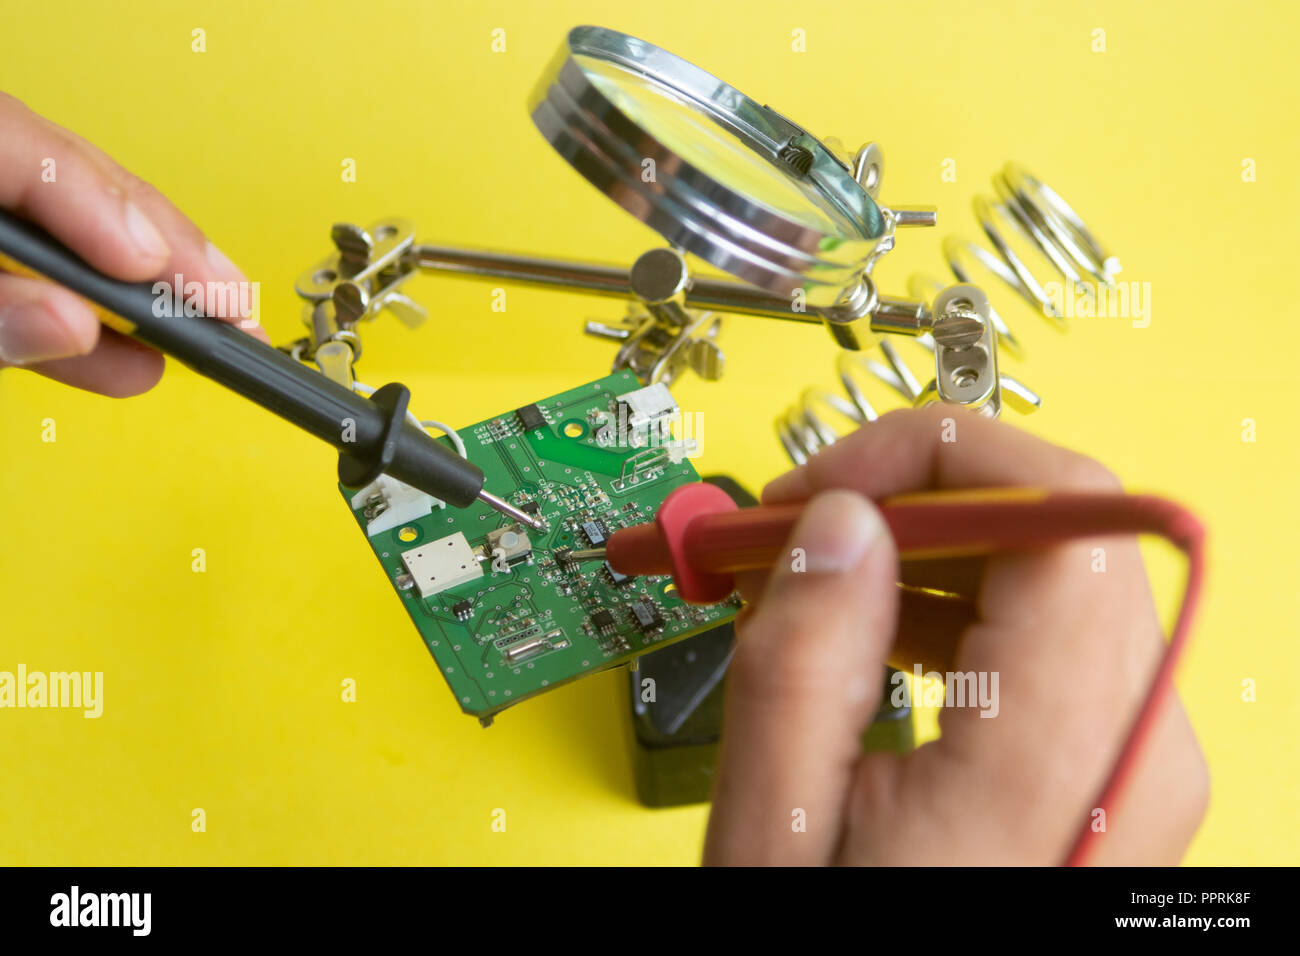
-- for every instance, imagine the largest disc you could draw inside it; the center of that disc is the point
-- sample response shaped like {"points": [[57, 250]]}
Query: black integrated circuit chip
{"points": [[595, 532], [463, 610], [530, 417], [615, 577], [647, 615], [603, 621]]}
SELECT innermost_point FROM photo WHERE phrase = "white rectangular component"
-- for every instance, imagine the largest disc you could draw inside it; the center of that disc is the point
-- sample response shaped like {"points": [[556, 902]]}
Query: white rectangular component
{"points": [[388, 503], [442, 564], [650, 408]]}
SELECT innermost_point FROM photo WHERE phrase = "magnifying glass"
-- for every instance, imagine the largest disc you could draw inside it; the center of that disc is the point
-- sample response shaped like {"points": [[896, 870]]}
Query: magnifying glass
{"points": [[712, 171], [719, 176]]}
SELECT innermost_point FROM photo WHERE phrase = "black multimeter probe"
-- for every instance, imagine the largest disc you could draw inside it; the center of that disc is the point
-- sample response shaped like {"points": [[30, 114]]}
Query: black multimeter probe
{"points": [[372, 435]]}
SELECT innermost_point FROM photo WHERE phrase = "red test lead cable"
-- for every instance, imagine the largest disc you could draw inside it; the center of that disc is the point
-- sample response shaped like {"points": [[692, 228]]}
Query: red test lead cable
{"points": [[702, 539]]}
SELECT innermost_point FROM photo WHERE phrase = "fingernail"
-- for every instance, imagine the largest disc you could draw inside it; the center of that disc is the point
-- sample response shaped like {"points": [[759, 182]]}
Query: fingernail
{"points": [[221, 263], [144, 233], [834, 533], [29, 332], [241, 307]]}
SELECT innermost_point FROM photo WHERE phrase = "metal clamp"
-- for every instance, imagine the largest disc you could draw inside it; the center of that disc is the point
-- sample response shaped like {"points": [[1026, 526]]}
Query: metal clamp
{"points": [[672, 323], [967, 332], [362, 278], [660, 336]]}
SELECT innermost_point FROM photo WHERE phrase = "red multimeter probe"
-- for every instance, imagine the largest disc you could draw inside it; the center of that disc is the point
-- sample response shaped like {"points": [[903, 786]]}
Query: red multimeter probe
{"points": [[702, 539]]}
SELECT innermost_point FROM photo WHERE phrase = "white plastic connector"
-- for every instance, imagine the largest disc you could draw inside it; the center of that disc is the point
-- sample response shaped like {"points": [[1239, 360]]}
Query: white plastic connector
{"points": [[651, 406], [685, 448], [646, 416], [392, 503]]}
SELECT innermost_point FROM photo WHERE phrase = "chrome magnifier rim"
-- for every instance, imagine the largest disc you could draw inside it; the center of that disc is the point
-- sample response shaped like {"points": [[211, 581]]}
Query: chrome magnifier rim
{"points": [[691, 209]]}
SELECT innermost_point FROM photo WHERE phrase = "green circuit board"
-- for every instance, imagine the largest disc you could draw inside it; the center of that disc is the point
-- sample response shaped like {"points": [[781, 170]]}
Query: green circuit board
{"points": [[528, 624]]}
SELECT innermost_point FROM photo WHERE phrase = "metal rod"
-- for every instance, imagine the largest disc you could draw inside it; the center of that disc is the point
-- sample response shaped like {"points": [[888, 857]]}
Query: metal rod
{"points": [[892, 314]]}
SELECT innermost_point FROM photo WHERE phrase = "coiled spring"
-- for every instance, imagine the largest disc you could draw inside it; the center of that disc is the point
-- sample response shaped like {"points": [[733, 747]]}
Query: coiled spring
{"points": [[1023, 206]]}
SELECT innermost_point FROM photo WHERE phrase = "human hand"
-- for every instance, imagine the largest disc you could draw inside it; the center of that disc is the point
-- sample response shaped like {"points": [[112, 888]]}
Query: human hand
{"points": [[116, 222], [1074, 650]]}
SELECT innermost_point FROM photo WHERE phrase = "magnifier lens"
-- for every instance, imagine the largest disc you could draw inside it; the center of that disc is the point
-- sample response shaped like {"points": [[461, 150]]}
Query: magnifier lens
{"points": [[714, 172], [690, 130]]}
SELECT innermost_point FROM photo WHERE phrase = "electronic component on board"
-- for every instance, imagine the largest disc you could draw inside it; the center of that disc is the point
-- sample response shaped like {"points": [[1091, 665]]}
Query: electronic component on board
{"points": [[602, 621], [523, 650], [616, 578], [530, 417], [388, 503], [442, 564], [510, 543], [595, 532], [463, 610], [647, 615], [646, 415]]}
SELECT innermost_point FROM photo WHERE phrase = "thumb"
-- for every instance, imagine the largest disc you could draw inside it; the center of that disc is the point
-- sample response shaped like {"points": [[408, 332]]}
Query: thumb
{"points": [[804, 682]]}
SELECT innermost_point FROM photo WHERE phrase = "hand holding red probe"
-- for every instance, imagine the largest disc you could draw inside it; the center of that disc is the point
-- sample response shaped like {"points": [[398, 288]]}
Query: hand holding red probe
{"points": [[1076, 649]]}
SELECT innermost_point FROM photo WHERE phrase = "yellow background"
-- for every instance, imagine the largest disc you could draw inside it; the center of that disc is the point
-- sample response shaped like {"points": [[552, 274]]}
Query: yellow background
{"points": [[222, 690]]}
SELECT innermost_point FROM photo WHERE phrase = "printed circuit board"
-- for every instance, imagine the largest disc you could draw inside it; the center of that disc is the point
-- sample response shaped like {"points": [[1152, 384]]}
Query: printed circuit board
{"points": [[504, 611]]}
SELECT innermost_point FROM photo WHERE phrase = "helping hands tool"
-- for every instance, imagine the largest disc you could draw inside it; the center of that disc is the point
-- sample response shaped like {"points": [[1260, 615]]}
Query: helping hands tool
{"points": [[737, 184], [372, 435], [718, 175], [702, 539]]}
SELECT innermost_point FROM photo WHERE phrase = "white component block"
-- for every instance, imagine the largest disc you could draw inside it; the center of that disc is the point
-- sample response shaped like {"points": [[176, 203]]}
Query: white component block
{"points": [[392, 503], [442, 564], [653, 405]]}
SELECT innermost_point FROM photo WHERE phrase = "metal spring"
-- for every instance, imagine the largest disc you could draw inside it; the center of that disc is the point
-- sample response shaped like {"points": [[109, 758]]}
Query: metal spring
{"points": [[1040, 218]]}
